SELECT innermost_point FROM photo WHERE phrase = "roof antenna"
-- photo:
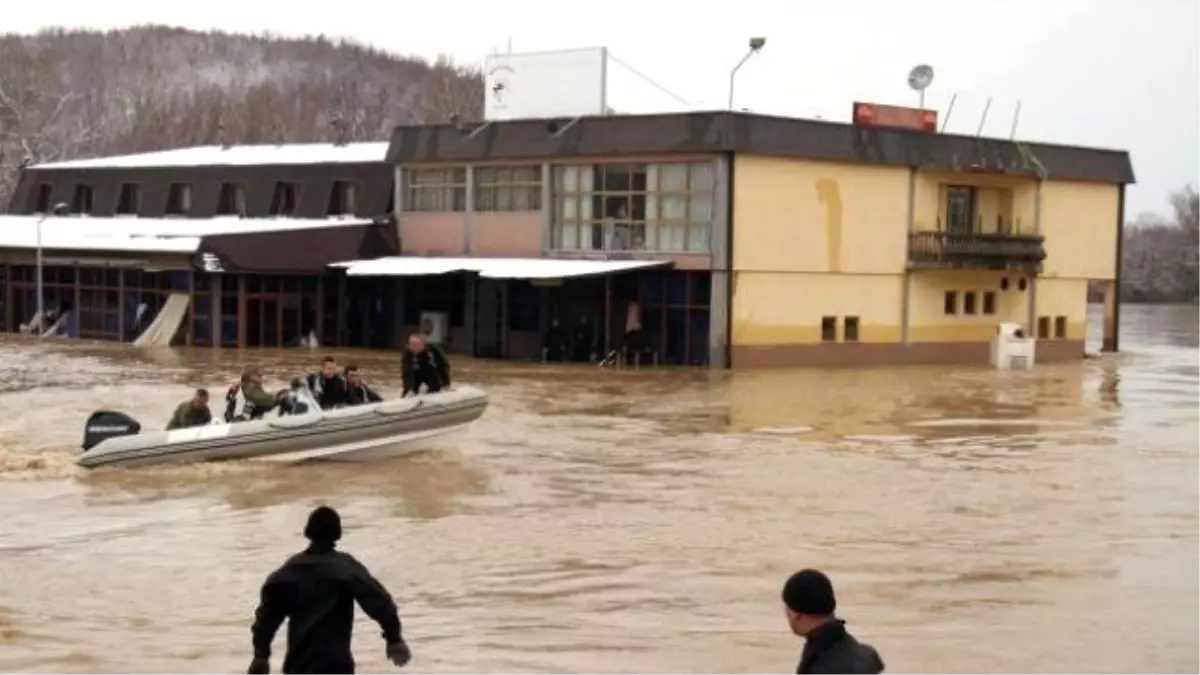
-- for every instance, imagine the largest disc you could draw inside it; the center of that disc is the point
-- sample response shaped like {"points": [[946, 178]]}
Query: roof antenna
{"points": [[1016, 118], [986, 108], [949, 112], [919, 79]]}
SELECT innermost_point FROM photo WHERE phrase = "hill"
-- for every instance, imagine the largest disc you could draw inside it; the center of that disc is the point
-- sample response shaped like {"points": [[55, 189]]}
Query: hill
{"points": [[69, 94]]}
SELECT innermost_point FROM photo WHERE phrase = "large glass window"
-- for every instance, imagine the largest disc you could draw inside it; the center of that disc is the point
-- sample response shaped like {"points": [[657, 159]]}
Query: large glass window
{"points": [[508, 188], [441, 189], [665, 207]]}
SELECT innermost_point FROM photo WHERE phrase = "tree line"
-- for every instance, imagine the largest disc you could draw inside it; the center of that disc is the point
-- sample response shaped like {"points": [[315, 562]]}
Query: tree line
{"points": [[81, 93], [1159, 256]]}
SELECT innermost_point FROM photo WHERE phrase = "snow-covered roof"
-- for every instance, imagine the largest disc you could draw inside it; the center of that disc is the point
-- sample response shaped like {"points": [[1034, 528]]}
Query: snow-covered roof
{"points": [[151, 235], [493, 268], [236, 155]]}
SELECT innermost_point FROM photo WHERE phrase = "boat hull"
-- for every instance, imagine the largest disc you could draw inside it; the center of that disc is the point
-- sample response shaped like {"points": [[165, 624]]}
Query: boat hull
{"points": [[359, 433]]}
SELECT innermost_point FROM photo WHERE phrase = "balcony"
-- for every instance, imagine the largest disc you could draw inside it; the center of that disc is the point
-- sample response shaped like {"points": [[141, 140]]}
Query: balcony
{"points": [[969, 250]]}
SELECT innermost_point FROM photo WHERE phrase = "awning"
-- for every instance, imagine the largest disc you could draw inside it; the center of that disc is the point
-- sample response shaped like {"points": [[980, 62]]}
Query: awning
{"points": [[494, 268]]}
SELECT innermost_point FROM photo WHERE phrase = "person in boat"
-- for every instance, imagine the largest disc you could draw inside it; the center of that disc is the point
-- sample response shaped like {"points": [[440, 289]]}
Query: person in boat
{"points": [[554, 342], [357, 391], [328, 385], [256, 400], [809, 605], [193, 412], [424, 364], [315, 591]]}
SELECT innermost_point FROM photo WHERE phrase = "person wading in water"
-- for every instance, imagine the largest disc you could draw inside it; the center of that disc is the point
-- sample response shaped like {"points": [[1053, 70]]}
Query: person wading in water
{"points": [[809, 604], [315, 592]]}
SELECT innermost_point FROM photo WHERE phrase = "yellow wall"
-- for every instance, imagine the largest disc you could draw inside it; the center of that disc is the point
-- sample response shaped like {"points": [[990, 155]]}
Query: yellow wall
{"points": [[800, 216], [1012, 199], [1064, 297], [928, 321], [1079, 222], [772, 308]]}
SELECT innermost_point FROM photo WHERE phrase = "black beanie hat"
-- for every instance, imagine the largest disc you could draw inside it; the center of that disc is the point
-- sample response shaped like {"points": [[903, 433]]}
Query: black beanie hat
{"points": [[324, 526], [809, 592]]}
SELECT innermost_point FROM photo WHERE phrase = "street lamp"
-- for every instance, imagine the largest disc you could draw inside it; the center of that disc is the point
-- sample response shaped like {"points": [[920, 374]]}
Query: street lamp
{"points": [[58, 210], [756, 45]]}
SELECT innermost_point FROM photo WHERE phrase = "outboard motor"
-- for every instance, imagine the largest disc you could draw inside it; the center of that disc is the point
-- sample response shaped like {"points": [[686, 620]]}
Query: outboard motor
{"points": [[105, 424]]}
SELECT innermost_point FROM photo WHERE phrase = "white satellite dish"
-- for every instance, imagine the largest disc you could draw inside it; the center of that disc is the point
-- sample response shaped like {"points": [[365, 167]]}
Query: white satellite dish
{"points": [[919, 79]]}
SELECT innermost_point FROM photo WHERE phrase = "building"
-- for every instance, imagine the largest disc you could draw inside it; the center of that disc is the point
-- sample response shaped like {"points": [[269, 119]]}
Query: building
{"points": [[743, 239], [245, 234]]}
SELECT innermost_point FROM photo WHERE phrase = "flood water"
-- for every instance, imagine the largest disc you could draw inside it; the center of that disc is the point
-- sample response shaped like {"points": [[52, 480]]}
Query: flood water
{"points": [[599, 521]]}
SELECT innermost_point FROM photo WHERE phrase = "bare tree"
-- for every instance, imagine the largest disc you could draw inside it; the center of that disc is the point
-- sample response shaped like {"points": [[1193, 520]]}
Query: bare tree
{"points": [[69, 93], [1159, 258]]}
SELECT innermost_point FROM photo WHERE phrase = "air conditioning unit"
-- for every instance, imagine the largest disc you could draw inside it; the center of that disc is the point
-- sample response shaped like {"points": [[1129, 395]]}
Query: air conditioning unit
{"points": [[435, 326], [1012, 349]]}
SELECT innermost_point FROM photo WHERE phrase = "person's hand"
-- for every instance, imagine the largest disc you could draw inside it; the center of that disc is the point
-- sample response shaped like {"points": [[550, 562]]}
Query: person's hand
{"points": [[259, 665], [398, 653]]}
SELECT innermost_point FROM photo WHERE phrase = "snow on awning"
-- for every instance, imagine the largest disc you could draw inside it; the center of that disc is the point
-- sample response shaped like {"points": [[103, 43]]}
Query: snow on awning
{"points": [[494, 268], [236, 155], [146, 235]]}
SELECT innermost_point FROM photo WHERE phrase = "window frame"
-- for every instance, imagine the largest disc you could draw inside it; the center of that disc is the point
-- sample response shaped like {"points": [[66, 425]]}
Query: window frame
{"points": [[498, 188], [435, 189]]}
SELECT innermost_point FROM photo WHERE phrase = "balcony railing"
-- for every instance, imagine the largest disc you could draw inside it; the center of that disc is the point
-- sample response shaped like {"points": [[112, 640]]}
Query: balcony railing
{"points": [[967, 250]]}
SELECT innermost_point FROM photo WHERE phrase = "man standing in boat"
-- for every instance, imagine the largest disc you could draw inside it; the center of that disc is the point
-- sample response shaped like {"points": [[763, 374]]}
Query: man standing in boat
{"points": [[424, 364], [315, 591], [328, 385]]}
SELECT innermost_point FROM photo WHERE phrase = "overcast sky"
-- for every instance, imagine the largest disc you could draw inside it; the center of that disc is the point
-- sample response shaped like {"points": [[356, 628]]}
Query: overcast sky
{"points": [[1109, 73]]}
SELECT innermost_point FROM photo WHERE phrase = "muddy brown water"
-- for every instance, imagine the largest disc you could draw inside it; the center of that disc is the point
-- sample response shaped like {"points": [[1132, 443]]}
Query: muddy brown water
{"points": [[595, 521]]}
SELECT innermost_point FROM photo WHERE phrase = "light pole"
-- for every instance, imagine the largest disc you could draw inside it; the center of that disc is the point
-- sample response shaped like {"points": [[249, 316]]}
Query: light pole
{"points": [[756, 44], [58, 210]]}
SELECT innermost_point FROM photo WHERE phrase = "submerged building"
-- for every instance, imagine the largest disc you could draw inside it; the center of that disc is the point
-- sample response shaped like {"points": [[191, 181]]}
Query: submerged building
{"points": [[733, 239]]}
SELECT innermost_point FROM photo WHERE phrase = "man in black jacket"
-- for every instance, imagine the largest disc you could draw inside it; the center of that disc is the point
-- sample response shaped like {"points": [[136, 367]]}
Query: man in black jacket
{"points": [[357, 391], [316, 591], [424, 364], [809, 604], [327, 385]]}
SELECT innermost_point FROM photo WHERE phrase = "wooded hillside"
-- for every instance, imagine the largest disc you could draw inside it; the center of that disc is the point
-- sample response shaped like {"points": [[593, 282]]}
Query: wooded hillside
{"points": [[70, 94]]}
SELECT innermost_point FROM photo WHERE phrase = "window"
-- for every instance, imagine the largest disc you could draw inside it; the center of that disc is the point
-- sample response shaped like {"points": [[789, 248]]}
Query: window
{"points": [[283, 199], [179, 199], [989, 302], [969, 302], [850, 329], [1060, 327], [508, 188], [651, 207], [232, 201], [435, 190], [950, 302], [960, 208], [343, 198], [129, 202], [82, 201], [829, 329], [41, 198], [1043, 327]]}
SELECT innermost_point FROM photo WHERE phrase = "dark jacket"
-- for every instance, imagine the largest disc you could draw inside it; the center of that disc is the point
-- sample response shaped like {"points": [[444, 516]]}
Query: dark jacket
{"points": [[330, 392], [187, 415], [428, 367], [316, 591], [831, 649], [360, 394]]}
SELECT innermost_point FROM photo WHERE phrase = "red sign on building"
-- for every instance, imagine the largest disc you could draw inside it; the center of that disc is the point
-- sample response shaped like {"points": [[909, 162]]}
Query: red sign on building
{"points": [[895, 117]]}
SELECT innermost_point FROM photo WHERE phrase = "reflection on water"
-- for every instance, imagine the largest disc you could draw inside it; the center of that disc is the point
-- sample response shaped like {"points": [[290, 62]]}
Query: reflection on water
{"points": [[637, 521]]}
